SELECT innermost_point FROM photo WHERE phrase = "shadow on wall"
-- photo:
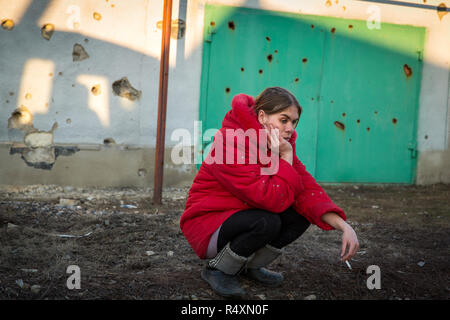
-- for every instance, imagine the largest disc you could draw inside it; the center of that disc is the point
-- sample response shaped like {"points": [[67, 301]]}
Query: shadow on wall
{"points": [[91, 89]]}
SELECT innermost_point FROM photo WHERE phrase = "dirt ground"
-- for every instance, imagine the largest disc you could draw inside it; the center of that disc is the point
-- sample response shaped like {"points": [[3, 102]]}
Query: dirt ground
{"points": [[139, 252]]}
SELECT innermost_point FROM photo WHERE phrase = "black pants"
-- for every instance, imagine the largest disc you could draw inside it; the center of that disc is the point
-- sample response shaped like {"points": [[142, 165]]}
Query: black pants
{"points": [[249, 230]]}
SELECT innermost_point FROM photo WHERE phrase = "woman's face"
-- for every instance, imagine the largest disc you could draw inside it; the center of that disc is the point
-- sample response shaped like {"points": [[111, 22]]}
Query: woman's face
{"points": [[285, 121]]}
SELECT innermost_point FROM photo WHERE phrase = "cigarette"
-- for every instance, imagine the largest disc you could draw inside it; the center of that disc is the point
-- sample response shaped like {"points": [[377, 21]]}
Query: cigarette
{"points": [[348, 264]]}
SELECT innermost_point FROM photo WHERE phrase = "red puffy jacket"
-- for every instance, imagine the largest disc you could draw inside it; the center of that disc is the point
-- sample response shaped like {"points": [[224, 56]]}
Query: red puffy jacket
{"points": [[220, 189]]}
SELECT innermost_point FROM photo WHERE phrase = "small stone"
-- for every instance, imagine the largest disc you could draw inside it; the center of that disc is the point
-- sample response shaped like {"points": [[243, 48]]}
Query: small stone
{"points": [[170, 254], [19, 282], [35, 288], [149, 253], [311, 297], [67, 202]]}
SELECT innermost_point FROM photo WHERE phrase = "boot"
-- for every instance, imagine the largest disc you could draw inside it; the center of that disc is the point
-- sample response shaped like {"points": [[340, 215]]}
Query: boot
{"points": [[255, 267], [221, 273]]}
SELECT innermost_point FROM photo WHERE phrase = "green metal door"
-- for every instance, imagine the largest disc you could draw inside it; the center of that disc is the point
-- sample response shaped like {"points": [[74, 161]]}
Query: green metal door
{"points": [[358, 87], [369, 103], [247, 50]]}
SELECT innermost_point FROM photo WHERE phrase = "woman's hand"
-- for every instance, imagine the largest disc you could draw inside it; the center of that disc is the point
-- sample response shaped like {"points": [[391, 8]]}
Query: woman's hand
{"points": [[350, 242], [274, 141]]}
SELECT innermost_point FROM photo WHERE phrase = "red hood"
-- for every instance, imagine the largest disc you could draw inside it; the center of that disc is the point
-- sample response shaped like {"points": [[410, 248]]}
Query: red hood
{"points": [[242, 115]]}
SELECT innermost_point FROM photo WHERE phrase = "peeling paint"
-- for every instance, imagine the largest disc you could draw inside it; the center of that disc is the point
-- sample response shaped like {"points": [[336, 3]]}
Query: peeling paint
{"points": [[39, 151], [40, 139], [123, 88], [42, 158], [7, 24], [79, 53], [47, 31]]}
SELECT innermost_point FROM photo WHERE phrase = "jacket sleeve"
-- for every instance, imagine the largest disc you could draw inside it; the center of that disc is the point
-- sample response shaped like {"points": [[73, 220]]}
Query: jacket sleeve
{"points": [[313, 202], [274, 193]]}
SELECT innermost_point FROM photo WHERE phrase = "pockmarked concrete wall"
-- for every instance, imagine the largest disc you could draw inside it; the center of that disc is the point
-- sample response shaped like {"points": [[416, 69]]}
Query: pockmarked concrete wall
{"points": [[79, 85]]}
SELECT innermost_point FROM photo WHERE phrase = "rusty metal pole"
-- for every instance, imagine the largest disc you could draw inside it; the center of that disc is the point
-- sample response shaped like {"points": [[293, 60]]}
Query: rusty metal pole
{"points": [[162, 102]]}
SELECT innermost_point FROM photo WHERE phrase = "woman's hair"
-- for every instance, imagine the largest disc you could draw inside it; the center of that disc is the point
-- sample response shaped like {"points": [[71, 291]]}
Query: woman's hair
{"points": [[275, 99]]}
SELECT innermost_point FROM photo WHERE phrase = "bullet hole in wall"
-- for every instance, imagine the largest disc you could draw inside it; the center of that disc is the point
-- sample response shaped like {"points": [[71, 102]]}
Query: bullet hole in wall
{"points": [[47, 31], [268, 39], [269, 58], [96, 90], [7, 24], [304, 60], [21, 119], [231, 25], [333, 30], [339, 125], [260, 71], [109, 141], [441, 10], [227, 90], [407, 69], [394, 121], [123, 88], [242, 69], [97, 16], [79, 53], [142, 172]]}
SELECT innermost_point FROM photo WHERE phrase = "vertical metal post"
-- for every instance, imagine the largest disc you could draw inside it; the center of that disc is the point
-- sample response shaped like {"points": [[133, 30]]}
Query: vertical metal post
{"points": [[162, 102]]}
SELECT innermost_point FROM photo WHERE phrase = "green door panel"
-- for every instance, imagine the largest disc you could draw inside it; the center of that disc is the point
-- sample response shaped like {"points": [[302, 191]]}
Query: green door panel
{"points": [[359, 88], [369, 103]]}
